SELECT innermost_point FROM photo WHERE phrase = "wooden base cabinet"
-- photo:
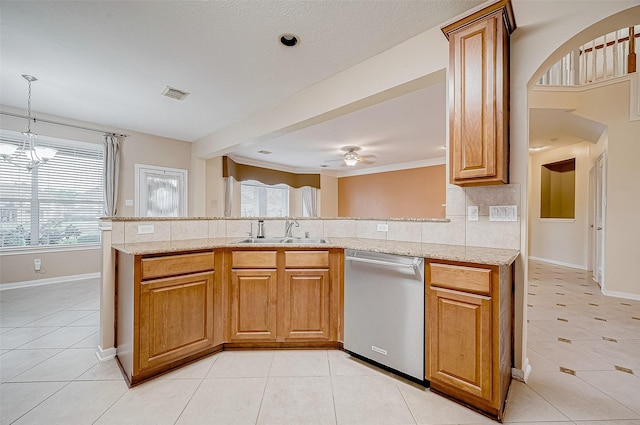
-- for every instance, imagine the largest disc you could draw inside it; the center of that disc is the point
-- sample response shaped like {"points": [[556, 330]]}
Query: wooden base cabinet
{"points": [[165, 311], [284, 298], [172, 309], [468, 333]]}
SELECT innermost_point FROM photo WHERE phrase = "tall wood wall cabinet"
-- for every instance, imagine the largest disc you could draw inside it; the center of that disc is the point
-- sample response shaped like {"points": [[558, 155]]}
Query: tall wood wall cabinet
{"points": [[479, 90]]}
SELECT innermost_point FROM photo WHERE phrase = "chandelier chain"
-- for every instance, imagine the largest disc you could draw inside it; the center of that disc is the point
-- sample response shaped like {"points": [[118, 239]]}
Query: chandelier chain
{"points": [[29, 106]]}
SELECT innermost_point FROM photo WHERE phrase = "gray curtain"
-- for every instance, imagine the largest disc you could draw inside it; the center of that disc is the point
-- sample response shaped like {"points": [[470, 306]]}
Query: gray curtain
{"points": [[309, 200], [111, 173], [228, 196]]}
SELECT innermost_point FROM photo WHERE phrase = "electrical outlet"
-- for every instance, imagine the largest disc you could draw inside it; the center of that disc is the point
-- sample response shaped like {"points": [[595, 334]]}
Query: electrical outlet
{"points": [[472, 213], [145, 228], [37, 264], [128, 202], [503, 213], [383, 227]]}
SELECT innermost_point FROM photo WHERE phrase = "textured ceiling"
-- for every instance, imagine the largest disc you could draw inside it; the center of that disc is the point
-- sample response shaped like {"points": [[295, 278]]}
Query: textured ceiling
{"points": [[405, 129], [107, 62]]}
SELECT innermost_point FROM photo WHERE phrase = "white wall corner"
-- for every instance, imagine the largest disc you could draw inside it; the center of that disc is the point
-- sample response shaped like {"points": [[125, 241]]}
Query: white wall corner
{"points": [[617, 294], [634, 98], [560, 263], [105, 354], [522, 374]]}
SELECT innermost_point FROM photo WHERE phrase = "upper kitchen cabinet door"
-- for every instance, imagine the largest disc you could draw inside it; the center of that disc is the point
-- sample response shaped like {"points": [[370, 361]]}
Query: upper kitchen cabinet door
{"points": [[479, 103]]}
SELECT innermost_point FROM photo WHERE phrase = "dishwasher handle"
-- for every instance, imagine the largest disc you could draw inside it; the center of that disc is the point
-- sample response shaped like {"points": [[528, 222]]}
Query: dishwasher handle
{"points": [[414, 265]]}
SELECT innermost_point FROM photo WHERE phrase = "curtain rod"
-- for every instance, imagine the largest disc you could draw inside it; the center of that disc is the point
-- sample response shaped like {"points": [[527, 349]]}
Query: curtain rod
{"points": [[62, 124]]}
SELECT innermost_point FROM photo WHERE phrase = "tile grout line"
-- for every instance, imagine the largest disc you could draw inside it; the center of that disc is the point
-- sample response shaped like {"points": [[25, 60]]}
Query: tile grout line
{"points": [[46, 398], [264, 390], [415, 420]]}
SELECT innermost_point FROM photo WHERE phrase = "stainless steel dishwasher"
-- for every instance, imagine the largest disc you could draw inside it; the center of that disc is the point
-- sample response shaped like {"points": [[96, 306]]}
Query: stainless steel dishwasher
{"points": [[384, 311]]}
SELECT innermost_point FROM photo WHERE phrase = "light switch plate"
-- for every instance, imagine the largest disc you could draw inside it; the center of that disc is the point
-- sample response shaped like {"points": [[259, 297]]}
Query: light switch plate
{"points": [[145, 228], [383, 227], [503, 213], [472, 213]]}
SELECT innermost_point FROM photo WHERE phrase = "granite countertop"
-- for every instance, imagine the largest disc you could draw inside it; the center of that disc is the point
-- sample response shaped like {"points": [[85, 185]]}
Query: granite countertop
{"points": [[467, 254], [141, 219]]}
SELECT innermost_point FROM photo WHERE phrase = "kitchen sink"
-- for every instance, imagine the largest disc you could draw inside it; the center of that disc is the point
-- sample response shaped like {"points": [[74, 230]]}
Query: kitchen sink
{"points": [[273, 241]]}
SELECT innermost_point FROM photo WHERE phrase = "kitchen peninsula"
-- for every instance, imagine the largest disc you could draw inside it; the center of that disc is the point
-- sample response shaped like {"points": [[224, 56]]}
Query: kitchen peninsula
{"points": [[186, 288]]}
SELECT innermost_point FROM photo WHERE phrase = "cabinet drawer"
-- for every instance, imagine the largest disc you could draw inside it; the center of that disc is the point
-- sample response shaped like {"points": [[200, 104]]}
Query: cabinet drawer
{"points": [[172, 265], [306, 259], [462, 278], [253, 259]]}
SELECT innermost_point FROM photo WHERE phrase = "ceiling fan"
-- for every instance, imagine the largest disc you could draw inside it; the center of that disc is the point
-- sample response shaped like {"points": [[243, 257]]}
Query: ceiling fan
{"points": [[351, 157]]}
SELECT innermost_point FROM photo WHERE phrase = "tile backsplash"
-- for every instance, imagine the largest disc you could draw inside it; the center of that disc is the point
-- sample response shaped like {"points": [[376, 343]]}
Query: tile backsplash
{"points": [[456, 231]]}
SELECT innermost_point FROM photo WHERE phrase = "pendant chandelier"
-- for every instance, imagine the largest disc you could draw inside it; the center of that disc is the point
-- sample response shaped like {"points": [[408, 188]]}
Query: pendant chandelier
{"points": [[28, 154]]}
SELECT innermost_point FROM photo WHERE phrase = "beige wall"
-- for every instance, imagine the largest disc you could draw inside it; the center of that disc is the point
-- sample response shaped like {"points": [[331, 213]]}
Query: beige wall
{"points": [[138, 148], [547, 31], [214, 188], [146, 149], [412, 193], [19, 267], [561, 241], [328, 198], [609, 104]]}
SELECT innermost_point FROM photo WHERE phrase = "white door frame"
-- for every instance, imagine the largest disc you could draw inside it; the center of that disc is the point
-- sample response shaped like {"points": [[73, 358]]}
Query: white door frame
{"points": [[141, 170], [600, 210]]}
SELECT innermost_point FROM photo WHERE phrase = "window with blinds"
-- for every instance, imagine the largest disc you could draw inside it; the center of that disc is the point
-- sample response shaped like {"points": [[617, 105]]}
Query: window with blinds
{"points": [[55, 205], [262, 200]]}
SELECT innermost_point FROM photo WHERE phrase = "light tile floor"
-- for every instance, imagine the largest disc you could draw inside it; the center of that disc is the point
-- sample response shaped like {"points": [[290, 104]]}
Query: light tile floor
{"points": [[584, 349]]}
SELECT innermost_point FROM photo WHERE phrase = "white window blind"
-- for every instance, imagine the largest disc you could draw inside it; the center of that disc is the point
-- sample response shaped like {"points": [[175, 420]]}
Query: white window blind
{"points": [[56, 204], [261, 200]]}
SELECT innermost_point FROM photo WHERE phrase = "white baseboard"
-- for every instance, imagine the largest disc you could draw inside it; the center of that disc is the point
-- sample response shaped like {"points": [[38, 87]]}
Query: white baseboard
{"points": [[618, 294], [105, 354], [520, 374], [559, 263], [48, 281]]}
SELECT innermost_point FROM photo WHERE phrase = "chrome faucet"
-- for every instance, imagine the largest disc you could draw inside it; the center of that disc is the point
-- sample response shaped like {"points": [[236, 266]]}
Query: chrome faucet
{"points": [[288, 225], [260, 229]]}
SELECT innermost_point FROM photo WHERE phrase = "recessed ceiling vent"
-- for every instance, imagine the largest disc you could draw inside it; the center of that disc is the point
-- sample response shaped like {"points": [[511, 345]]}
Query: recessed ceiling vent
{"points": [[174, 93]]}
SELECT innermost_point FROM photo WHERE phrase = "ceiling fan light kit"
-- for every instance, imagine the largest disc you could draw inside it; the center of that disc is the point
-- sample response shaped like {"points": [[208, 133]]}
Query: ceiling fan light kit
{"points": [[351, 158]]}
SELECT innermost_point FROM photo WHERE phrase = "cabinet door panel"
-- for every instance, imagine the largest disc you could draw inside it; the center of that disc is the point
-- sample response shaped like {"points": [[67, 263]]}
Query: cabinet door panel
{"points": [[473, 122], [176, 318], [460, 341], [306, 304], [253, 304]]}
